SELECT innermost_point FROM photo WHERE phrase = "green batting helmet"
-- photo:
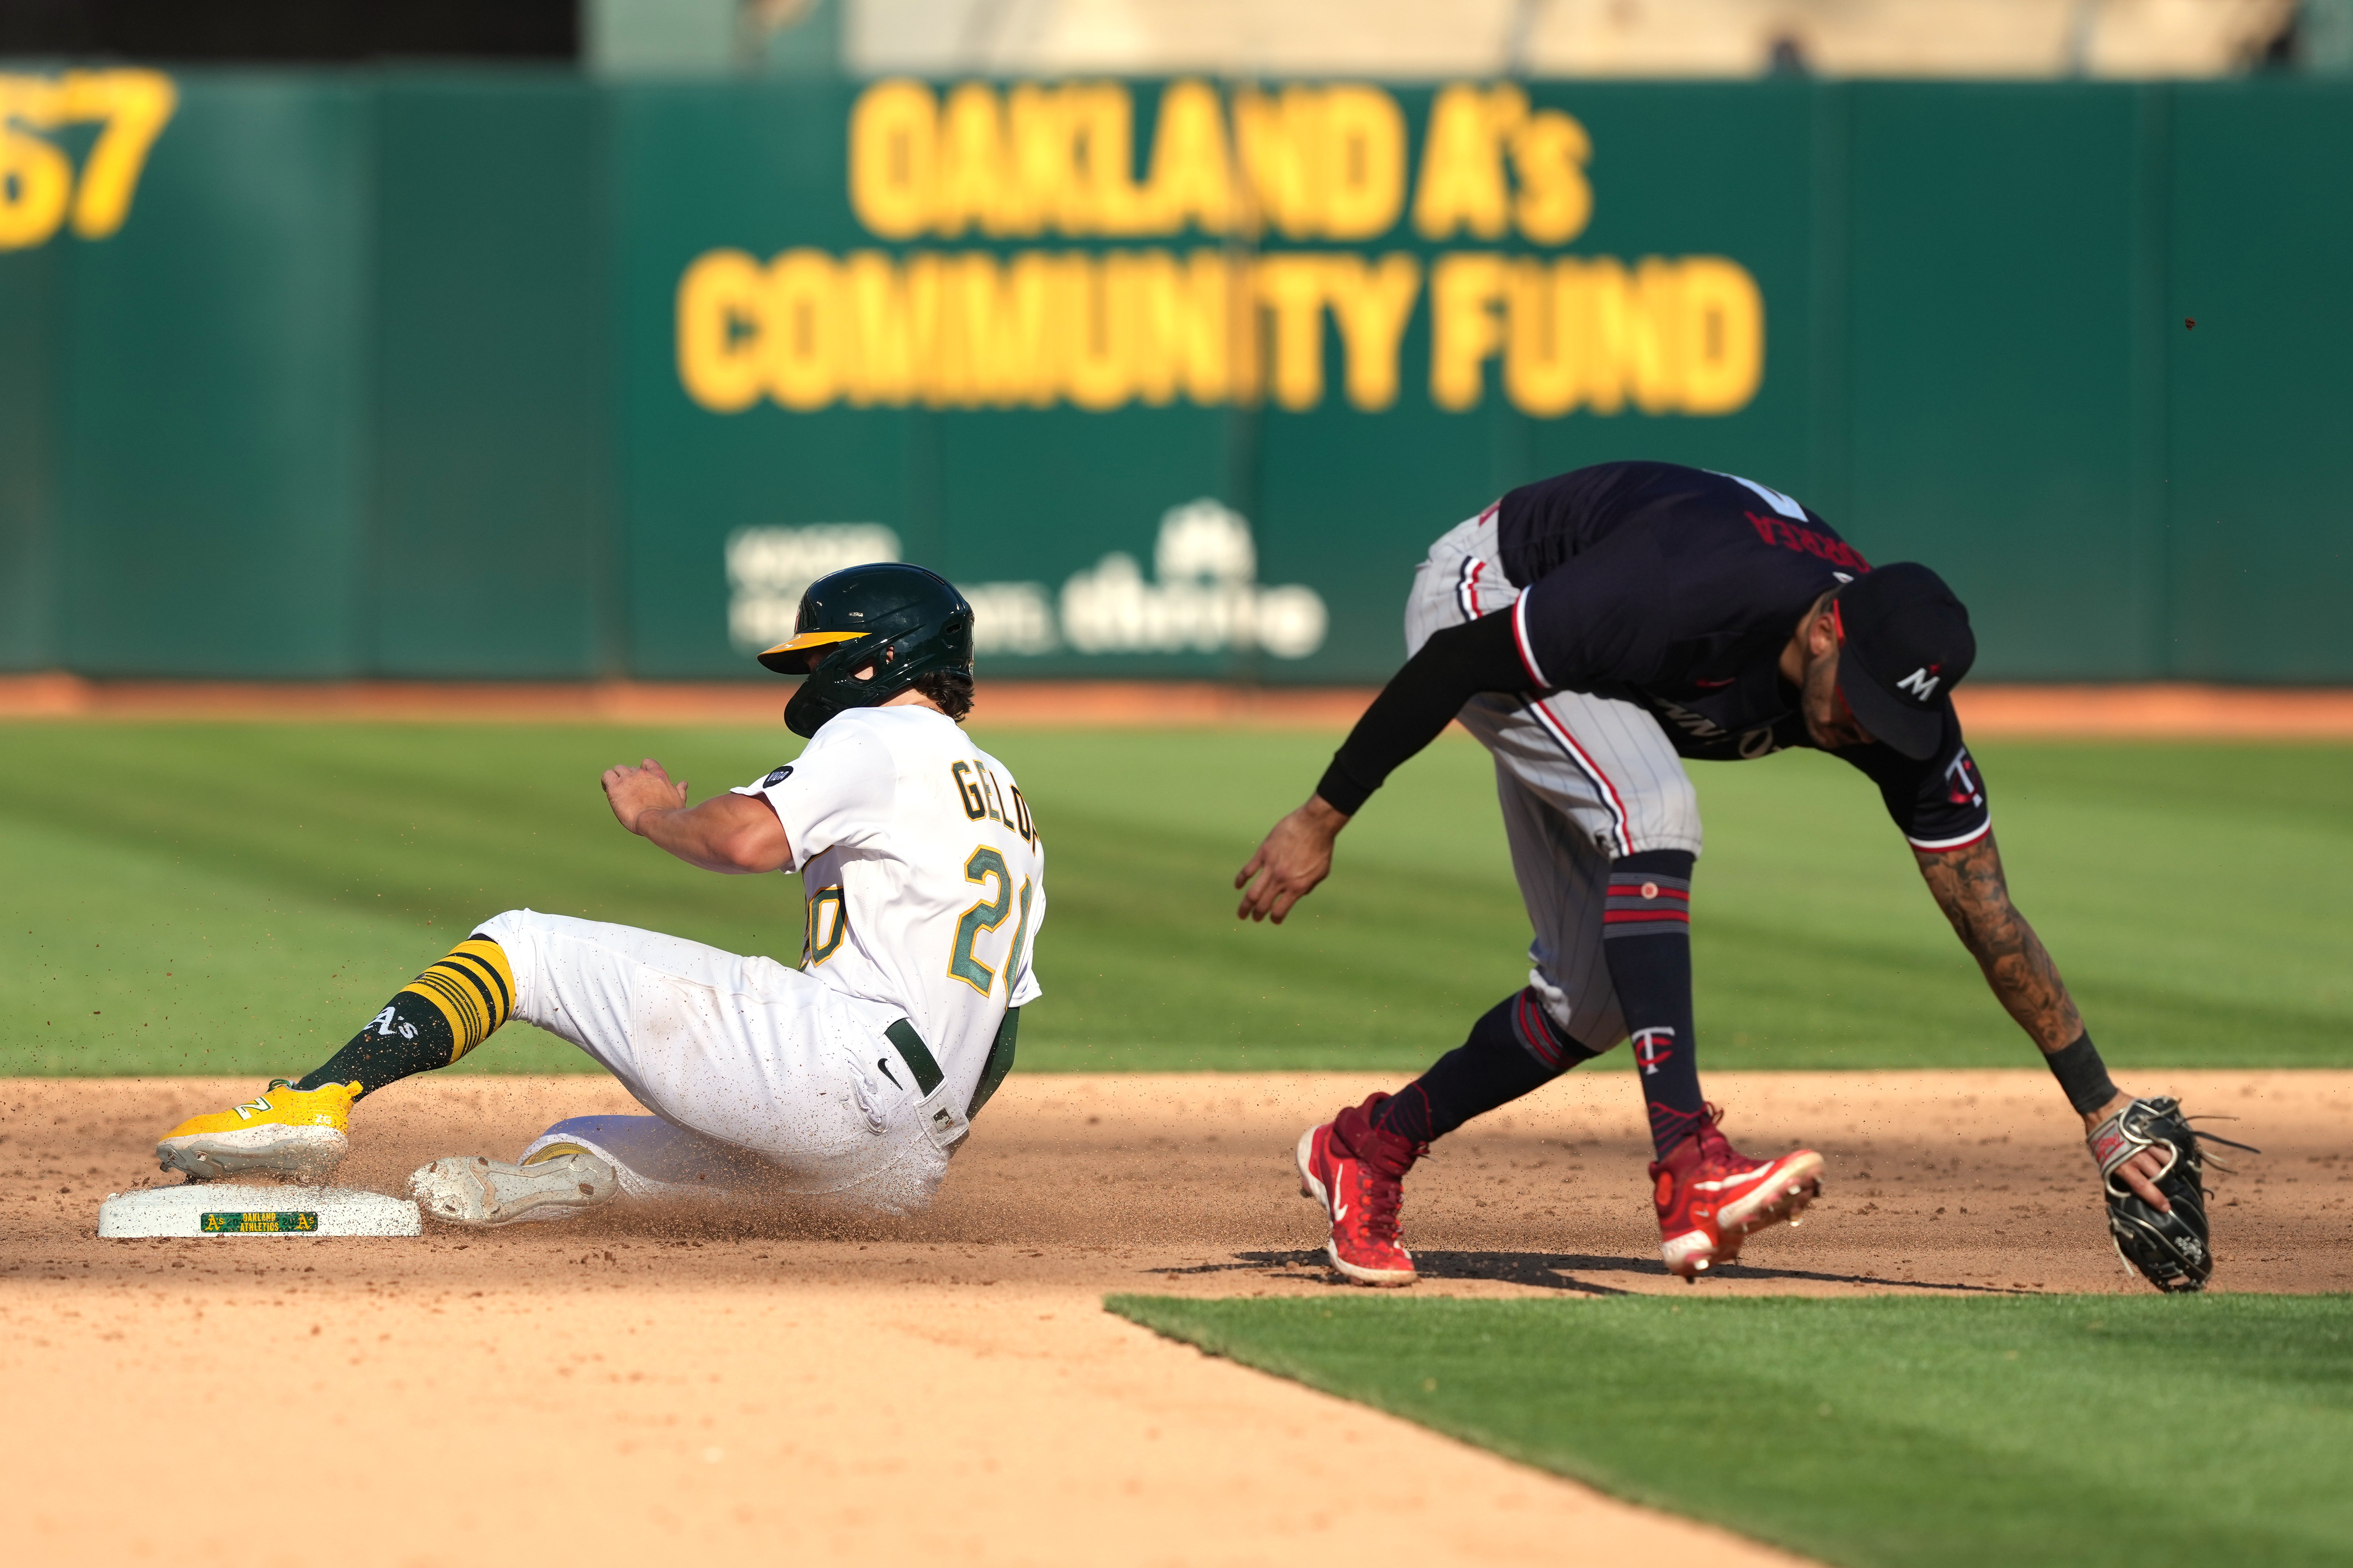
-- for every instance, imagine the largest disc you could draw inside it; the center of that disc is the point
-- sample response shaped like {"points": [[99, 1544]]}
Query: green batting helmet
{"points": [[901, 620]]}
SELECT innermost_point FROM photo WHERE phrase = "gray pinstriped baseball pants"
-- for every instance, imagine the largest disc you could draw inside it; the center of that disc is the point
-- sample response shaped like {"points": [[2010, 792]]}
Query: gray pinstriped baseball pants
{"points": [[1581, 780]]}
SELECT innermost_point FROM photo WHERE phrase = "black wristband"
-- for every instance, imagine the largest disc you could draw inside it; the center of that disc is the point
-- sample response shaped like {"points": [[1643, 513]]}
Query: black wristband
{"points": [[2082, 1076], [1342, 793]]}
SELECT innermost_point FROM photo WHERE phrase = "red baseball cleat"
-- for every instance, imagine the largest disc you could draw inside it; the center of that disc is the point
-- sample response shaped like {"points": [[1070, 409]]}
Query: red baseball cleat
{"points": [[1712, 1197], [1356, 1172]]}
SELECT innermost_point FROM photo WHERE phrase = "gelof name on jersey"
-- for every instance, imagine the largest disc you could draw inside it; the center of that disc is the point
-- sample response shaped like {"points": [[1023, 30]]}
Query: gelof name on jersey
{"points": [[984, 798]]}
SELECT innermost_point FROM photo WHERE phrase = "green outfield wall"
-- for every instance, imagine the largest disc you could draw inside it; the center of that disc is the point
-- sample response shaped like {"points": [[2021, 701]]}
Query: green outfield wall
{"points": [[509, 375]]}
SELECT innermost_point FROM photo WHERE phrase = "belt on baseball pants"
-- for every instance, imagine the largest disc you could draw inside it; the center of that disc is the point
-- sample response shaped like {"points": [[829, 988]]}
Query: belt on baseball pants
{"points": [[943, 1126], [916, 1055]]}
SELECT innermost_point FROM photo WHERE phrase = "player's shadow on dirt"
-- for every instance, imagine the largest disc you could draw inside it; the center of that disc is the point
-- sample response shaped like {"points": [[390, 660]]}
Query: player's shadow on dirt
{"points": [[1559, 1271]]}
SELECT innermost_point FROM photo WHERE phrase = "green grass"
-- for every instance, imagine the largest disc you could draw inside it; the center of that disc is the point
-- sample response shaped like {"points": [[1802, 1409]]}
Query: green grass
{"points": [[2138, 1432], [238, 898]]}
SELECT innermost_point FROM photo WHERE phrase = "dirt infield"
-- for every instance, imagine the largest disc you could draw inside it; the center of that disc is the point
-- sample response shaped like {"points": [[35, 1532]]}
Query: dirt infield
{"points": [[748, 1382], [2152, 712]]}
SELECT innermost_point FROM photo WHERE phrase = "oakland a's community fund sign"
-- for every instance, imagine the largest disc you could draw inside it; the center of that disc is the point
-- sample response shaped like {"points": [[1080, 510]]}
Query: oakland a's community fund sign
{"points": [[1222, 259], [1171, 377]]}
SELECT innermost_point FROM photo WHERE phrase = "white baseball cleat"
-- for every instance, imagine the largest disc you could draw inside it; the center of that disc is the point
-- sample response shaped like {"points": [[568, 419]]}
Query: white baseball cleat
{"points": [[480, 1192]]}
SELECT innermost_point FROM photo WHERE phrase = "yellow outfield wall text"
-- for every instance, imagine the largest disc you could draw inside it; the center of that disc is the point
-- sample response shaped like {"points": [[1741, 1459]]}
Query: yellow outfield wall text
{"points": [[1103, 330], [39, 189], [1306, 161], [1233, 324]]}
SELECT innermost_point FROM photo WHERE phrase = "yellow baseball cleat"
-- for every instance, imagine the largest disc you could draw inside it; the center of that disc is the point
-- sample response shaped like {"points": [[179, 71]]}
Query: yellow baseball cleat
{"points": [[283, 1130]]}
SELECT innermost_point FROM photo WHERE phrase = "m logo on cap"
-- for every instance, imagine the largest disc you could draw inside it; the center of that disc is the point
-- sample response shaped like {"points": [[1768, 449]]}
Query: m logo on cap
{"points": [[1902, 616]]}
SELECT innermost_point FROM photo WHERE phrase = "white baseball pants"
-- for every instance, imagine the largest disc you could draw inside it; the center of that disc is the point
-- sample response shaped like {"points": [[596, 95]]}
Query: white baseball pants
{"points": [[1582, 780], [759, 1076]]}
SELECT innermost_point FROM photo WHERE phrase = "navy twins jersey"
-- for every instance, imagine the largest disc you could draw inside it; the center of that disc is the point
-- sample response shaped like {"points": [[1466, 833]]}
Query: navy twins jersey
{"points": [[1677, 588]]}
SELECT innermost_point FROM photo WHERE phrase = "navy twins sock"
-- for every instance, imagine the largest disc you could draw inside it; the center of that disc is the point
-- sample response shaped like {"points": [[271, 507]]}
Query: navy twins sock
{"points": [[1646, 940], [1513, 1048]]}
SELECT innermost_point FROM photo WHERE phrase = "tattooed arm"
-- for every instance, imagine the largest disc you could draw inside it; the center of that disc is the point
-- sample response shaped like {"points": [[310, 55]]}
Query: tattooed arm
{"points": [[1968, 886]]}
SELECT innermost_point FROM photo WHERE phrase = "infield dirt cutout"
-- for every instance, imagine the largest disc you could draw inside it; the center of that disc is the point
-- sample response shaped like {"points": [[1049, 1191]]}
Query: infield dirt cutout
{"points": [[798, 1384]]}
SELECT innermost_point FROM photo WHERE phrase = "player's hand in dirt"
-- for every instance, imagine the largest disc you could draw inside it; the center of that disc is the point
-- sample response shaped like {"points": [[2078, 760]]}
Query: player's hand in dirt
{"points": [[1296, 857], [633, 792], [2138, 1174]]}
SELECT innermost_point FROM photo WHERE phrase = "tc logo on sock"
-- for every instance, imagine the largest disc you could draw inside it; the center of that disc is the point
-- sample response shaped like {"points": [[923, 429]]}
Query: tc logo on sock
{"points": [[1651, 1048]]}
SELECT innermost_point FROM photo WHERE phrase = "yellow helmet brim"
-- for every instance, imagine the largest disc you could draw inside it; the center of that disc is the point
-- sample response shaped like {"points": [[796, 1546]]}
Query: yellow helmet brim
{"points": [[810, 641]]}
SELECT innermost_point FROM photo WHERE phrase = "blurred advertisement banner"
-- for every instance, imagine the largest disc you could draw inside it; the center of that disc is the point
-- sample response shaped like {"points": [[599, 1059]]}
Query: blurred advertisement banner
{"points": [[505, 374], [1180, 376]]}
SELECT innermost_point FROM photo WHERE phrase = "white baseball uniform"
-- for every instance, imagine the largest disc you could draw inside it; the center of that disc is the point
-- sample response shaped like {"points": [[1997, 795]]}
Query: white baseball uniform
{"points": [[926, 884]]}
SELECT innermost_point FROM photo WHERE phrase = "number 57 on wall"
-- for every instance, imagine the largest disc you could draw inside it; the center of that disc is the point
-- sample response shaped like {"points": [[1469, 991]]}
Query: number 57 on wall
{"points": [[36, 179]]}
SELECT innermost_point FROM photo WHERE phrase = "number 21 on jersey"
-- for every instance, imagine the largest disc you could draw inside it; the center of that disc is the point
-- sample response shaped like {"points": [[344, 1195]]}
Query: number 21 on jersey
{"points": [[985, 867]]}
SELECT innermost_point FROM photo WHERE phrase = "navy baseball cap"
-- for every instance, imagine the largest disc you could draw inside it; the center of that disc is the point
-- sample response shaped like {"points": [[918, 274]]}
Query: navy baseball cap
{"points": [[1904, 643]]}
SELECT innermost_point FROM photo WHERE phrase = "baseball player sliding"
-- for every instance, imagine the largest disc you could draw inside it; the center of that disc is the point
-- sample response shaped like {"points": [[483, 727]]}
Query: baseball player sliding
{"points": [[1593, 630], [855, 1075]]}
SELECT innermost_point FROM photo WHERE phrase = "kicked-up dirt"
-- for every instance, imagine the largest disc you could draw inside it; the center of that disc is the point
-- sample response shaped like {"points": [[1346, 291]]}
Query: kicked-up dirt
{"points": [[795, 1383]]}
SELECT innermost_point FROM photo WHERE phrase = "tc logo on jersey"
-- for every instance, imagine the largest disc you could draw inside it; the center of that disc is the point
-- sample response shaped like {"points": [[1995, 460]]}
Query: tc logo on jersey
{"points": [[1963, 778], [1651, 1048], [777, 777]]}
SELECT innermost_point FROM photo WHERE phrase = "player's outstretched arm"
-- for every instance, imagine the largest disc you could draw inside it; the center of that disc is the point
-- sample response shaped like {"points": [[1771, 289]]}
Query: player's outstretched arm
{"points": [[1418, 702], [730, 833], [1969, 887], [1294, 858]]}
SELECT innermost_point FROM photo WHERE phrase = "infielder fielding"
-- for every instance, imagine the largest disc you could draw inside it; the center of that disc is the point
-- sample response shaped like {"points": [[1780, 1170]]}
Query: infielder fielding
{"points": [[855, 1075], [1593, 630]]}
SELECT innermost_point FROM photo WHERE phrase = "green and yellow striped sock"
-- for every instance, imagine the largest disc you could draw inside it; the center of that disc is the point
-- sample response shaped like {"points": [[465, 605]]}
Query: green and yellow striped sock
{"points": [[435, 1019]]}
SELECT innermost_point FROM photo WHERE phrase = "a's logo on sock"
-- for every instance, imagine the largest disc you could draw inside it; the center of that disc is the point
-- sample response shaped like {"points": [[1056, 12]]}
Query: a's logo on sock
{"points": [[388, 1024], [1653, 1047]]}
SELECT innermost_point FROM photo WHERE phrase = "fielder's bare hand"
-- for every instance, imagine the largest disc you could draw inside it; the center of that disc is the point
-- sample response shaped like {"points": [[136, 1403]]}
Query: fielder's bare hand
{"points": [[2138, 1174], [1296, 857], [633, 792]]}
